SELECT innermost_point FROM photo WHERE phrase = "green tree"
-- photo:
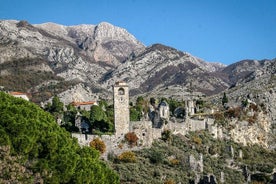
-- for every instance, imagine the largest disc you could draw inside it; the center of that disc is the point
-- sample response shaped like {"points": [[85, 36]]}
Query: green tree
{"points": [[57, 105], [224, 99], [139, 100], [135, 115], [97, 114], [103, 104], [110, 113], [45, 148], [173, 104], [140, 108], [99, 120], [69, 118]]}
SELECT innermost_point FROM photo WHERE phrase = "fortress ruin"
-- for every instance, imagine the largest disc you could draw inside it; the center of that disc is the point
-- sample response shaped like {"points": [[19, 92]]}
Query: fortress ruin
{"points": [[149, 129]]}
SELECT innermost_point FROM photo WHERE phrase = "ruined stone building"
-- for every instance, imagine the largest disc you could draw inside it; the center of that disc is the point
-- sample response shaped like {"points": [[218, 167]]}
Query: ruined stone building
{"points": [[149, 129]]}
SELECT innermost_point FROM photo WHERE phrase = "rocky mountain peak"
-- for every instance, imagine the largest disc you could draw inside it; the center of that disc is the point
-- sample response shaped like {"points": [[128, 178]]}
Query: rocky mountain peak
{"points": [[53, 28], [105, 32], [161, 47]]}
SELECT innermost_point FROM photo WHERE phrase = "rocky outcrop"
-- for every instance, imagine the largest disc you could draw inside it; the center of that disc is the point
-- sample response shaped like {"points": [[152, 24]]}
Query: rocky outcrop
{"points": [[258, 87], [103, 42], [257, 132]]}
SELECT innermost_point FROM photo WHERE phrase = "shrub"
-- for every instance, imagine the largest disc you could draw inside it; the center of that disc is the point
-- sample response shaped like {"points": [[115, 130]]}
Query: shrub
{"points": [[166, 135], [156, 157], [98, 145], [111, 156], [197, 140], [169, 181], [127, 156], [120, 146], [259, 178], [219, 118], [174, 161], [253, 107], [131, 138], [234, 112]]}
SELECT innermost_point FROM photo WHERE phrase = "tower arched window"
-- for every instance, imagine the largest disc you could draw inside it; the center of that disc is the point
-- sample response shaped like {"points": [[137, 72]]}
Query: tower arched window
{"points": [[121, 91]]}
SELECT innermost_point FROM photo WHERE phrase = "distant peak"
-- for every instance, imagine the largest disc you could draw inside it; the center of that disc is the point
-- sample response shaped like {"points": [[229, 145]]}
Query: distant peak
{"points": [[49, 24], [162, 47], [23, 23], [105, 24]]}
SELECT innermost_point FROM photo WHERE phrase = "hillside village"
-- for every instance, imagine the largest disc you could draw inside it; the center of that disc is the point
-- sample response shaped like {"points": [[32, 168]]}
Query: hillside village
{"points": [[159, 123], [158, 118], [151, 125]]}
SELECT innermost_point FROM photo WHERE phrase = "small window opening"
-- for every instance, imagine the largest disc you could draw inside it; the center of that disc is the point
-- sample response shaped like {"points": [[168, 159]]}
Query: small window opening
{"points": [[121, 91]]}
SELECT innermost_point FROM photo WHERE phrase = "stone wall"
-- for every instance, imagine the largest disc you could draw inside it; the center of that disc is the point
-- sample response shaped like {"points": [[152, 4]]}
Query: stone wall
{"points": [[113, 144], [143, 130]]}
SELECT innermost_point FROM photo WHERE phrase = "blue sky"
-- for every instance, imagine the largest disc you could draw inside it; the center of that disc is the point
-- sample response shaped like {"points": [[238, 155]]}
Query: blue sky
{"points": [[224, 31]]}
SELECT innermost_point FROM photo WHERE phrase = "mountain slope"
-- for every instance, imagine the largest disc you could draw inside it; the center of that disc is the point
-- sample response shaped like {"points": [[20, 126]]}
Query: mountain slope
{"points": [[237, 72], [65, 52], [59, 58], [161, 66], [103, 42]]}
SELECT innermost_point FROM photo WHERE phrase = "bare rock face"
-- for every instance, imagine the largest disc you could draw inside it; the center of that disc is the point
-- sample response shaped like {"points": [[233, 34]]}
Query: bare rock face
{"points": [[103, 42], [116, 43], [258, 132], [81, 53], [77, 93]]}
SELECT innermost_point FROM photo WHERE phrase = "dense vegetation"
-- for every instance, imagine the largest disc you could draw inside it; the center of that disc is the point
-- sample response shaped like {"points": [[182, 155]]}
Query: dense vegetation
{"points": [[169, 161], [35, 149], [98, 120]]}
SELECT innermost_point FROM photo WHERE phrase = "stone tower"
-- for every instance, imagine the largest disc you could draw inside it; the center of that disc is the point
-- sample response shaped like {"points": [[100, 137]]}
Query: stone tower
{"points": [[190, 108], [121, 108]]}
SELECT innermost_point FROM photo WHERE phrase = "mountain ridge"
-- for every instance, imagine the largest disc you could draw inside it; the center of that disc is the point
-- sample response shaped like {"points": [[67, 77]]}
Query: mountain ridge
{"points": [[99, 55]]}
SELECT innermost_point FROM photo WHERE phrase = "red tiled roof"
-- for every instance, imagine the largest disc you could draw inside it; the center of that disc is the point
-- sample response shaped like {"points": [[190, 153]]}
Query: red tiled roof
{"points": [[83, 103], [17, 93]]}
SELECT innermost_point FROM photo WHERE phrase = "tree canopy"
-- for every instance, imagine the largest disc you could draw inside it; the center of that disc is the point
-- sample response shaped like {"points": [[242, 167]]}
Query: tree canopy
{"points": [[46, 149]]}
